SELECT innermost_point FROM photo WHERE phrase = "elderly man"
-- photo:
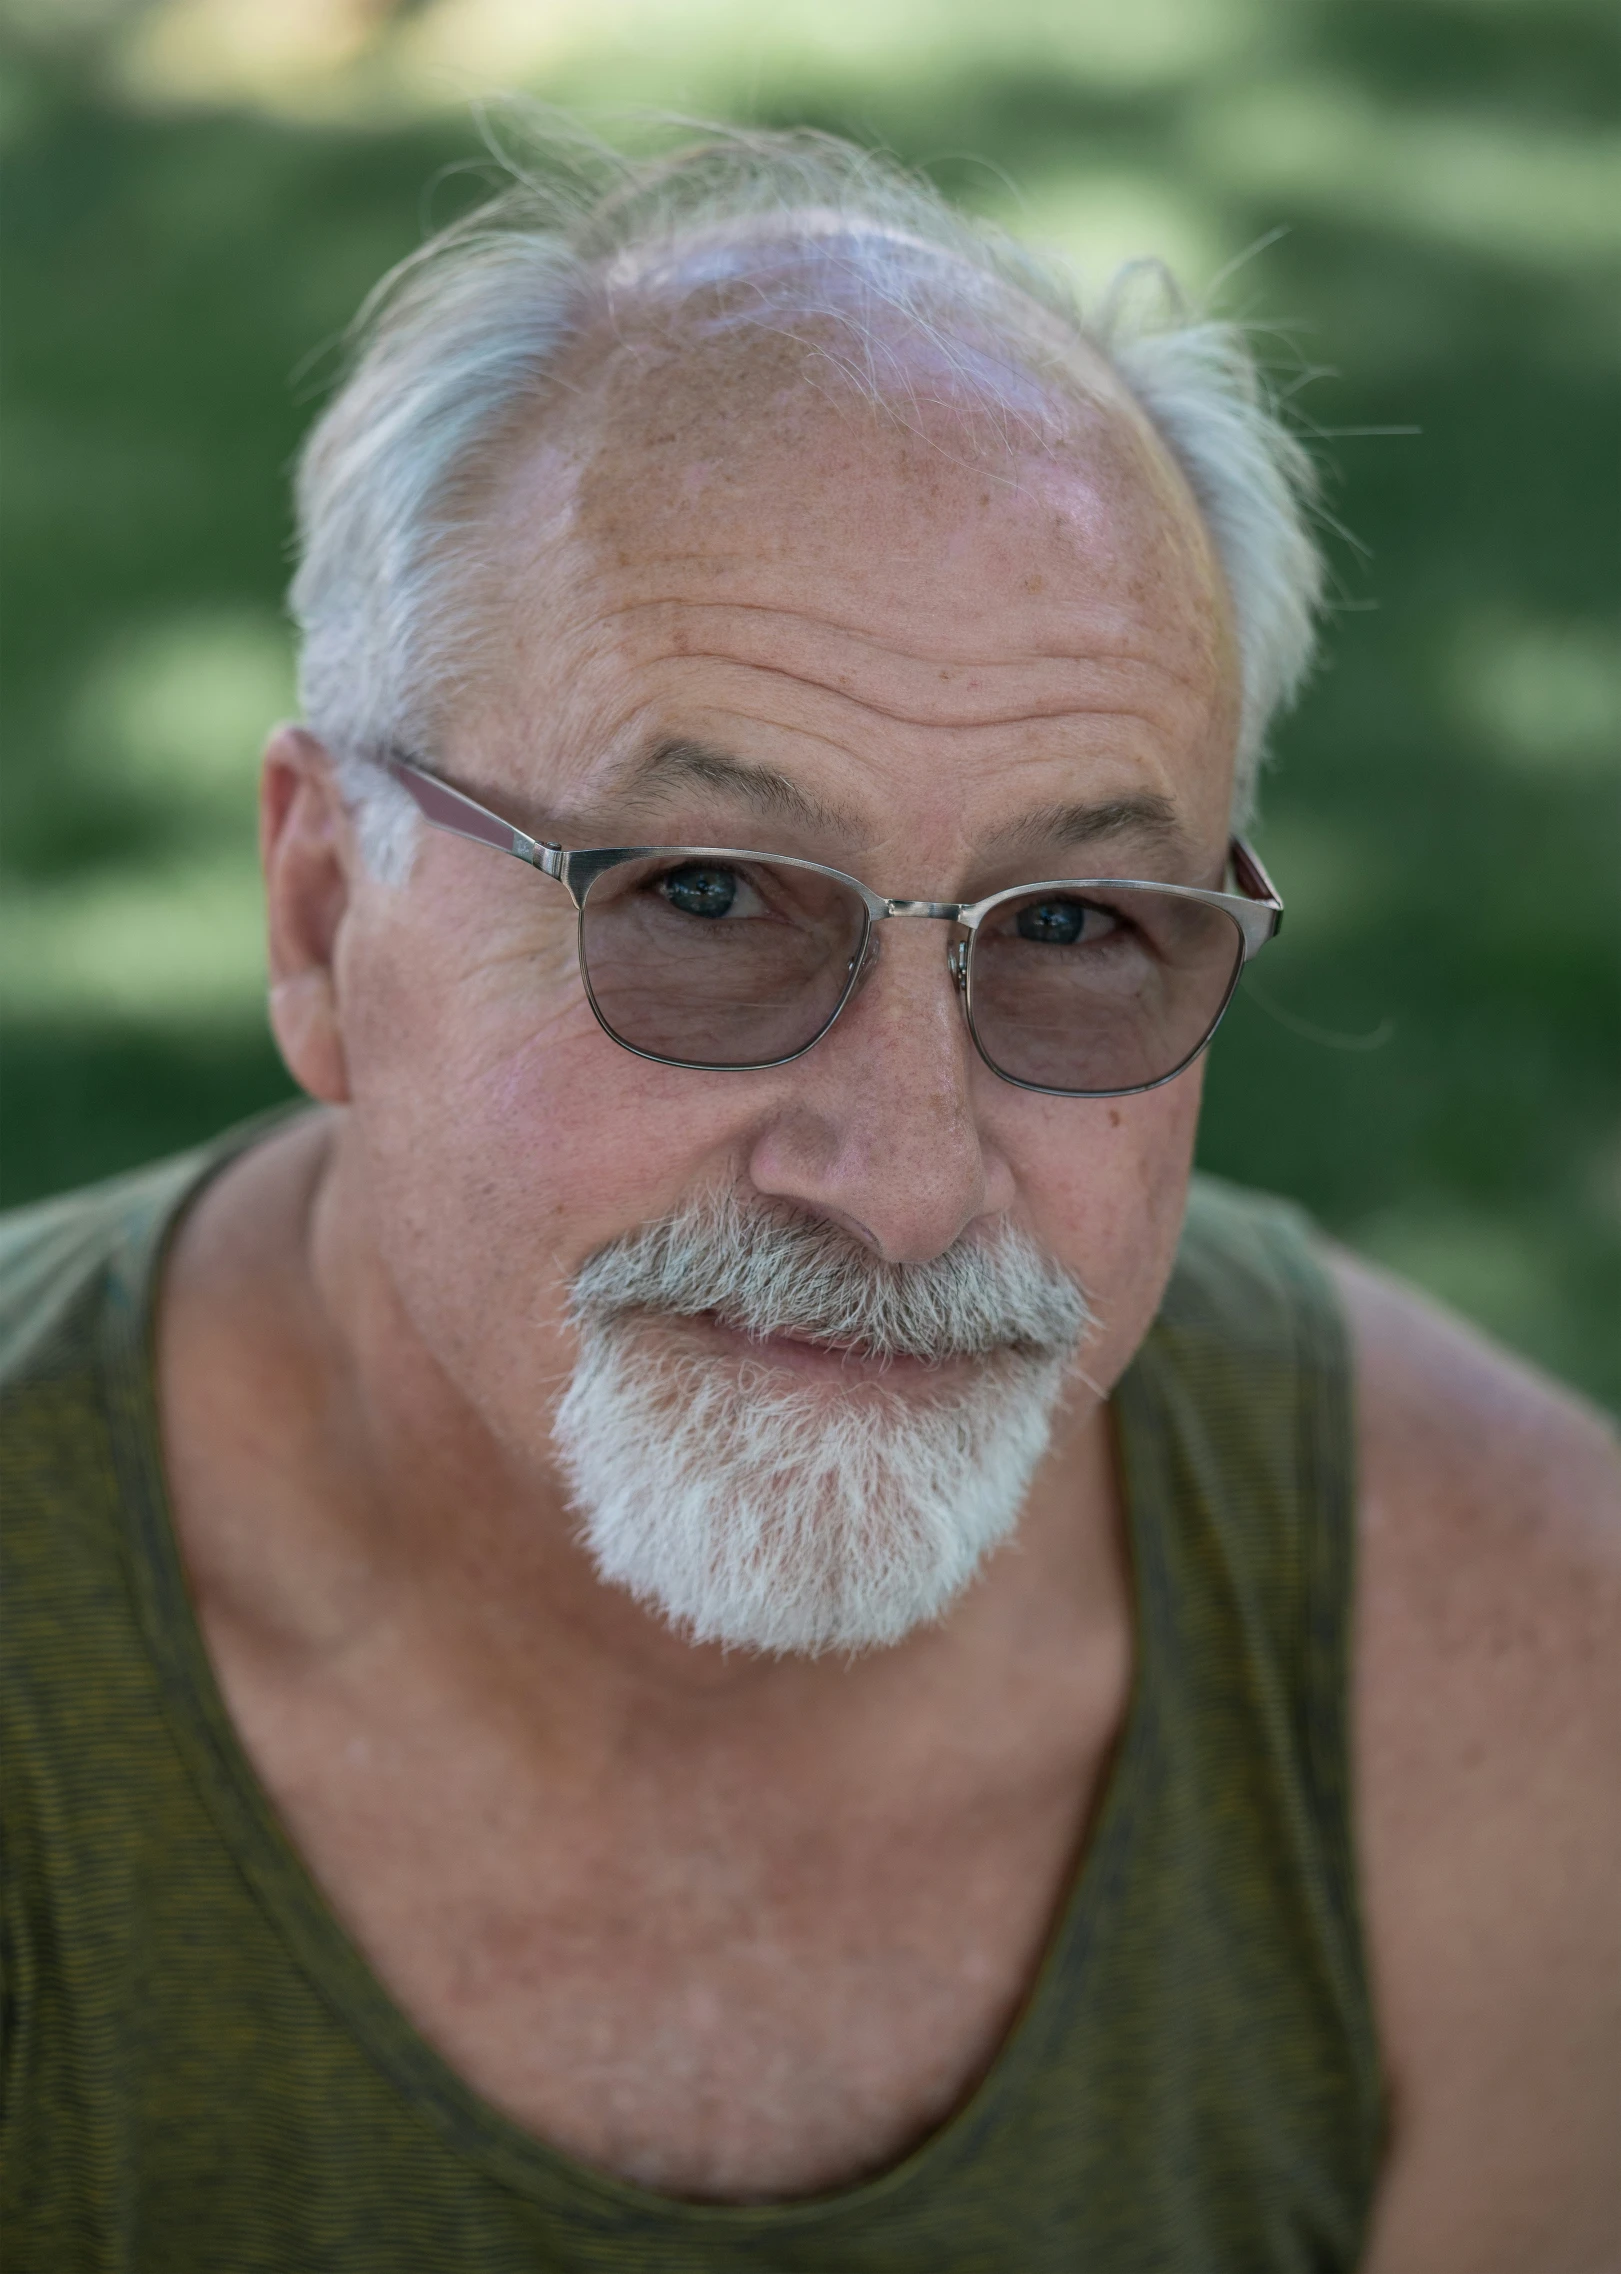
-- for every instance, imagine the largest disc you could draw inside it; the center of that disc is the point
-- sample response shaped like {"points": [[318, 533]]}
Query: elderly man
{"points": [[705, 1624]]}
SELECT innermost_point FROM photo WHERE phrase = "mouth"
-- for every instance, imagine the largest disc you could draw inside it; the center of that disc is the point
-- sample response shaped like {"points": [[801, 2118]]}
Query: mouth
{"points": [[810, 1356]]}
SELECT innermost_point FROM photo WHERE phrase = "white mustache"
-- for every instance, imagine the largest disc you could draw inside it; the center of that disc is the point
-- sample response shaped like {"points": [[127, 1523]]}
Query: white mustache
{"points": [[766, 1269]]}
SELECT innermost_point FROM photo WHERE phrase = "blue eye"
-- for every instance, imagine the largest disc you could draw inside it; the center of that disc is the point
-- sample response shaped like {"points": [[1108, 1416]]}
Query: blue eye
{"points": [[700, 891], [1055, 923]]}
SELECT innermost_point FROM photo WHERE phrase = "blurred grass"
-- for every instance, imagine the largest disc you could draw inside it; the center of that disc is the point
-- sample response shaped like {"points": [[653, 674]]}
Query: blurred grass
{"points": [[198, 192]]}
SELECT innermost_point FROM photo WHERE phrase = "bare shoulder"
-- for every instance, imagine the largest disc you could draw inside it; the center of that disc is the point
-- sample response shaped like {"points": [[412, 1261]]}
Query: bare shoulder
{"points": [[1490, 1509], [1487, 1688]]}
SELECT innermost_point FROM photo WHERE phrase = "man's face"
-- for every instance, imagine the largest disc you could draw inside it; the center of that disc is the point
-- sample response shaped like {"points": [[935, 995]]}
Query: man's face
{"points": [[727, 609]]}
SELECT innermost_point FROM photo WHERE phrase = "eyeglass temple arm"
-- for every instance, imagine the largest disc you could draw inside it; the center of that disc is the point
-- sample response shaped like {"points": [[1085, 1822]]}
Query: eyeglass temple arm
{"points": [[446, 808], [1252, 880]]}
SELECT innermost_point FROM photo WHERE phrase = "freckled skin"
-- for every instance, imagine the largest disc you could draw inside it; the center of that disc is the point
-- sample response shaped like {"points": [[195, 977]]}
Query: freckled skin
{"points": [[903, 667], [737, 1928], [730, 1926]]}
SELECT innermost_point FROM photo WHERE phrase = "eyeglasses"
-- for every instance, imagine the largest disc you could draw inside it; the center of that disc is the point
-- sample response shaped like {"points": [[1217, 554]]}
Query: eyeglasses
{"points": [[703, 956]]}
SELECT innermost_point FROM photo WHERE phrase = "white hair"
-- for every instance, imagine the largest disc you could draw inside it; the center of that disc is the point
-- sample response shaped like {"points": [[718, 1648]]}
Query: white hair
{"points": [[462, 347], [750, 1507]]}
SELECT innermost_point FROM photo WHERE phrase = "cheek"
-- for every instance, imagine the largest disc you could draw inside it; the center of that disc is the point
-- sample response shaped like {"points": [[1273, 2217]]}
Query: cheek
{"points": [[1105, 1183], [504, 1139]]}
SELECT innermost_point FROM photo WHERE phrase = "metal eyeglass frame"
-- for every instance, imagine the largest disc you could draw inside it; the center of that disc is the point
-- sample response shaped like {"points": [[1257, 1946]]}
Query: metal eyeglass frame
{"points": [[1255, 908]]}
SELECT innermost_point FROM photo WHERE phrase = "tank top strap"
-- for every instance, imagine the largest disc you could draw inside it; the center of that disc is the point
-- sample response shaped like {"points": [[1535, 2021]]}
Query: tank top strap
{"points": [[1235, 1425]]}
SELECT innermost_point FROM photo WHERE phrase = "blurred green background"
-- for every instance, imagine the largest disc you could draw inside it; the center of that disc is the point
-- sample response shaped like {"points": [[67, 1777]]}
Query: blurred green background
{"points": [[198, 192]]}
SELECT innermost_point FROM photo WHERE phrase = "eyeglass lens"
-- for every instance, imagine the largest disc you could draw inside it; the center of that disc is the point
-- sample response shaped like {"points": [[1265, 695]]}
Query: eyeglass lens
{"points": [[1110, 990], [714, 963], [737, 963]]}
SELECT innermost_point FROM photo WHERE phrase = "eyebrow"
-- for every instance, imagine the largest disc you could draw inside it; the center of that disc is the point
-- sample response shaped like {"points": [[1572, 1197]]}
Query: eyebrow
{"points": [[671, 765], [674, 763], [1144, 814]]}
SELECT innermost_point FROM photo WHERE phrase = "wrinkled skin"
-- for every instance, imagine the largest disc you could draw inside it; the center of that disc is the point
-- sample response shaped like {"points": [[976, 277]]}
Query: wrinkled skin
{"points": [[991, 640], [743, 1928], [985, 636]]}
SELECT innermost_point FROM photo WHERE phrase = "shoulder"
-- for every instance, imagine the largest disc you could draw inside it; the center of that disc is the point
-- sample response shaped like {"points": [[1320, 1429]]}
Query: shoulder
{"points": [[55, 1258], [1490, 1506], [64, 1259], [73, 1337], [1490, 1518], [1444, 1410], [1488, 1618]]}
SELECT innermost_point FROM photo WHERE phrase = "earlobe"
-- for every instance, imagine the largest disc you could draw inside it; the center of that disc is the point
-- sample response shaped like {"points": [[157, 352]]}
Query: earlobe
{"points": [[307, 853]]}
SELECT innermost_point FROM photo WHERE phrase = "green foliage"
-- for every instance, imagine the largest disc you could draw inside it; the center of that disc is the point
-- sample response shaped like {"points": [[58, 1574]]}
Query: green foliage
{"points": [[1428, 1060]]}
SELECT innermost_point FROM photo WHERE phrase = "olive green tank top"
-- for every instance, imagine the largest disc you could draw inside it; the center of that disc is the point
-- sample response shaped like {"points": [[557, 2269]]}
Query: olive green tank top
{"points": [[202, 2073]]}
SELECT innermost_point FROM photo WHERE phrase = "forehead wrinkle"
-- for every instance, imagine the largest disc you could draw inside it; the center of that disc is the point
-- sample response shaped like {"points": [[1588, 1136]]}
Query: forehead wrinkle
{"points": [[1098, 650], [1042, 714]]}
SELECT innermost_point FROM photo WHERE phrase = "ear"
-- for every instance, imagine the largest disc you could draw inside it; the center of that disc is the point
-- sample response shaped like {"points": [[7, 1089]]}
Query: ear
{"points": [[308, 852]]}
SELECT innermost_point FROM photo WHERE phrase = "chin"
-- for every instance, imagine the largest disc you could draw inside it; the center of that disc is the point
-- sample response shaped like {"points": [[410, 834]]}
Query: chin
{"points": [[749, 1504]]}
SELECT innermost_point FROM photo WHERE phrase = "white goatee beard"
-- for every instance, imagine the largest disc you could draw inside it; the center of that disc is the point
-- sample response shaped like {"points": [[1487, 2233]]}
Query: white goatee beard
{"points": [[753, 1508]]}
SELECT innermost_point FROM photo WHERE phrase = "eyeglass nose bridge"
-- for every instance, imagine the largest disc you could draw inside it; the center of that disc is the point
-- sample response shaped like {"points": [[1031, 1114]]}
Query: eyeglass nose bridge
{"points": [[936, 911], [930, 910], [863, 965], [948, 911]]}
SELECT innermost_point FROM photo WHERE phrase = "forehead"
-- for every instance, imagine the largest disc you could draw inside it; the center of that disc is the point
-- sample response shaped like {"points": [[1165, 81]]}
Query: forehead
{"points": [[711, 508], [762, 448]]}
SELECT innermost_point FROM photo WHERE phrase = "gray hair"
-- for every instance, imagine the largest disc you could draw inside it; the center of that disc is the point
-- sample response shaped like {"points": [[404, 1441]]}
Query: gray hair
{"points": [[463, 346]]}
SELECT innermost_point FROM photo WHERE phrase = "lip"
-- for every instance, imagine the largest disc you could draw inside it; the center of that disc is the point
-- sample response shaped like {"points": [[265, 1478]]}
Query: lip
{"points": [[825, 1361]]}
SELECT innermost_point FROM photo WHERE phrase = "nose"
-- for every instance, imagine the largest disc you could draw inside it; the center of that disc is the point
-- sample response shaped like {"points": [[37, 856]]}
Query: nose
{"points": [[880, 1127]]}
